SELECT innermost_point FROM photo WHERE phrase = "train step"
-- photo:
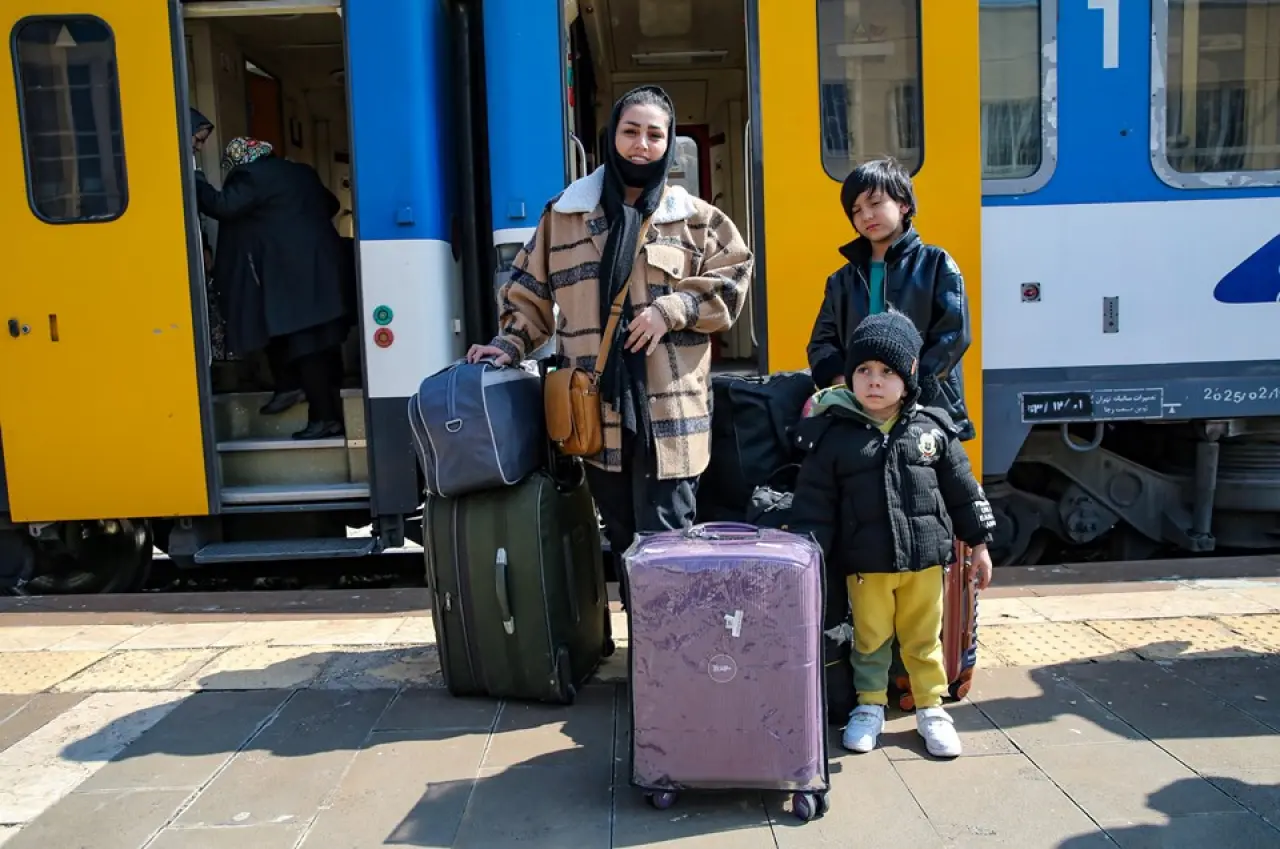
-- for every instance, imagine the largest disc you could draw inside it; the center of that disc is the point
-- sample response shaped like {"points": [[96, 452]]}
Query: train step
{"points": [[284, 461], [322, 548], [236, 416], [294, 494]]}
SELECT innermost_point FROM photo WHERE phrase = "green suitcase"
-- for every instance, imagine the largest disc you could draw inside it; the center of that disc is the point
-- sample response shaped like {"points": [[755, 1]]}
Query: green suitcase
{"points": [[519, 602]]}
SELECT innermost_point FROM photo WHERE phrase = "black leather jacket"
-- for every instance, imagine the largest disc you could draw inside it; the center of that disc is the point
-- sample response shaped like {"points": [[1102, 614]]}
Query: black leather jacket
{"points": [[923, 282]]}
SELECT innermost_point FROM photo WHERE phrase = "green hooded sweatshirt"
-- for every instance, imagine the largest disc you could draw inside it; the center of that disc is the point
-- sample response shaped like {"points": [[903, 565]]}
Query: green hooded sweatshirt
{"points": [[840, 398]]}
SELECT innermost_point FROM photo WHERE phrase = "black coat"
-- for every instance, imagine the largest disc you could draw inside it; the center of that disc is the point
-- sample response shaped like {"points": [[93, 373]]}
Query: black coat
{"points": [[920, 281], [887, 502], [280, 266]]}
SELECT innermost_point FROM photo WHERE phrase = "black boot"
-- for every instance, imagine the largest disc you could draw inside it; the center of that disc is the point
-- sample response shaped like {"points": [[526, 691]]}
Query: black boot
{"points": [[320, 430], [281, 401]]}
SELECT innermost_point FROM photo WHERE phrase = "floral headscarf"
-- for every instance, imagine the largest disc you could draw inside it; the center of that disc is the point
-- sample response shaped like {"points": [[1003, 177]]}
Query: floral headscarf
{"points": [[242, 151]]}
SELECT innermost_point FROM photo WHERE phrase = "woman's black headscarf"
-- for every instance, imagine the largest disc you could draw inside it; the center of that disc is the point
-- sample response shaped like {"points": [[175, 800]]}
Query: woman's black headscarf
{"points": [[199, 122], [623, 383]]}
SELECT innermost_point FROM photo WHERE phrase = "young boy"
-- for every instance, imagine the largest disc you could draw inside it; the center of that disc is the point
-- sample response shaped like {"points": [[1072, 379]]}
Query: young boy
{"points": [[885, 489], [889, 265]]}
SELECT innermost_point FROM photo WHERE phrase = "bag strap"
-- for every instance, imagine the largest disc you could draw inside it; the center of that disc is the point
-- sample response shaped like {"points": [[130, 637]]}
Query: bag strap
{"points": [[615, 311]]}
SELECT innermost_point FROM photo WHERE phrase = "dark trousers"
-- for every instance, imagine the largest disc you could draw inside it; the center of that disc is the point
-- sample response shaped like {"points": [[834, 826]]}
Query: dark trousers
{"points": [[636, 501], [317, 374]]}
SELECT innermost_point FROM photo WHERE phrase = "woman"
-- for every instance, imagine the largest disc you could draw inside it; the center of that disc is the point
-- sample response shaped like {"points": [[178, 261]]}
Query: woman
{"points": [[281, 277], [689, 280]]}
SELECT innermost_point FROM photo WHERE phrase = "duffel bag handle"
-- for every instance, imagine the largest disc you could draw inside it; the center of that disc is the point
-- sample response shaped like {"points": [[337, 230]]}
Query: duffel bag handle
{"points": [[722, 530]]}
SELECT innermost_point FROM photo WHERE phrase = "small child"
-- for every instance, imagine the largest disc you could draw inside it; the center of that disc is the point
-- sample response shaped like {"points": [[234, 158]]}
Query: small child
{"points": [[885, 489]]}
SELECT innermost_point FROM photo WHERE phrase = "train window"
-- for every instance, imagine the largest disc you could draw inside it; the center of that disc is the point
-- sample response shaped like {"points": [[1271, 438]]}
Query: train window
{"points": [[69, 107], [1017, 93], [869, 83], [1221, 103]]}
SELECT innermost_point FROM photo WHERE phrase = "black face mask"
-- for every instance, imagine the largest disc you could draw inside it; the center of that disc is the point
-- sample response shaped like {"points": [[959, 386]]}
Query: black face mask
{"points": [[634, 174]]}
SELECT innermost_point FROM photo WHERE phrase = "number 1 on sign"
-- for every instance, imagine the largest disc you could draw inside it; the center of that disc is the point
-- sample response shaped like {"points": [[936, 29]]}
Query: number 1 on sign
{"points": [[1110, 30]]}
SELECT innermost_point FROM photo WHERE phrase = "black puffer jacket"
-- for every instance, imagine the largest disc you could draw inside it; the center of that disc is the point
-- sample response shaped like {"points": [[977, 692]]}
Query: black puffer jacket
{"points": [[923, 282], [886, 502]]}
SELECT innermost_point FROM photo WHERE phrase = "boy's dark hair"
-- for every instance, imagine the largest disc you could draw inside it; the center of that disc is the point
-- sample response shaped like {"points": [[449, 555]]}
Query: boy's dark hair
{"points": [[886, 175]]}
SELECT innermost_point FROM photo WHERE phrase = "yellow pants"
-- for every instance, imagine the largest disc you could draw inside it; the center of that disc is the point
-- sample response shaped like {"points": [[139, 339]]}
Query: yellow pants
{"points": [[907, 605]]}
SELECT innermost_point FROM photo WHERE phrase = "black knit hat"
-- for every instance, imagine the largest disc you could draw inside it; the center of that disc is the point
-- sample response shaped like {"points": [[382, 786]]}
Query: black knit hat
{"points": [[890, 338]]}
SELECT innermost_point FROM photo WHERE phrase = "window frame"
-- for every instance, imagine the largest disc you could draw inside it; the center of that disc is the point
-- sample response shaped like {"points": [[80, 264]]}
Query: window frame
{"points": [[918, 82], [1170, 176], [20, 95], [1040, 178]]}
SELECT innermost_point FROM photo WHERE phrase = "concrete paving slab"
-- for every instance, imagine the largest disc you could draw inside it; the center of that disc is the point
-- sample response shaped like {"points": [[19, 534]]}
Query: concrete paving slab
{"points": [[34, 637], [179, 635], [1114, 782], [404, 788], [415, 630], [551, 735], [1178, 638], [138, 670], [1180, 602], [115, 820], [99, 637], [174, 754], [273, 836], [1007, 611], [1264, 629], [436, 710], [860, 783], [24, 715], [978, 735], [1041, 644], [1268, 596], [261, 668], [1038, 707], [291, 767], [1221, 831], [986, 802], [1250, 685], [52, 761], [1160, 704], [369, 668], [37, 671], [540, 806], [333, 632], [1258, 790]]}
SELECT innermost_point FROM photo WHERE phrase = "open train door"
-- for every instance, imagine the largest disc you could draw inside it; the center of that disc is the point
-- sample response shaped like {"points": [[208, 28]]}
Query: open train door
{"points": [[101, 410], [834, 84]]}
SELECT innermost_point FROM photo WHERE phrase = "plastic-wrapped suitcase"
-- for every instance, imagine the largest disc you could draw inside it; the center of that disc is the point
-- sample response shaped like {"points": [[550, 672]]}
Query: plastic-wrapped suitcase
{"points": [[727, 664], [959, 631]]}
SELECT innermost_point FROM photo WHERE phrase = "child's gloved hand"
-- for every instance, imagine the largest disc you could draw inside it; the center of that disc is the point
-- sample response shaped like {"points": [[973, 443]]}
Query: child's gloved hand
{"points": [[981, 567]]}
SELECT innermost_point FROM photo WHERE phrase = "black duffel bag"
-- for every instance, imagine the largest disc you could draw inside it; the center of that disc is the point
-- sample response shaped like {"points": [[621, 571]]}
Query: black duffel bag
{"points": [[750, 435]]}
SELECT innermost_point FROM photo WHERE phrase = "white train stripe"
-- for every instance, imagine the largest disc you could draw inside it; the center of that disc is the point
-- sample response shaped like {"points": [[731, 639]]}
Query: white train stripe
{"points": [[49, 763], [422, 285]]}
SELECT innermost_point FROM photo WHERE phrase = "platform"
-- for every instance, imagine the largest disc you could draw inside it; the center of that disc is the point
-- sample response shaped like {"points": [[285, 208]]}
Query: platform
{"points": [[1137, 714]]}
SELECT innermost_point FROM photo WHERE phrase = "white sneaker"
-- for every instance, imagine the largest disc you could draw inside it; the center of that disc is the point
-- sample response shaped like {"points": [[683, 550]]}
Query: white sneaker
{"points": [[865, 724], [939, 732]]}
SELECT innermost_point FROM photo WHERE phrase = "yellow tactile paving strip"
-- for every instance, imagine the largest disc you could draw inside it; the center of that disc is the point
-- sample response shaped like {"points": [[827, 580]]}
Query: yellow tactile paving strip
{"points": [[1184, 621]]}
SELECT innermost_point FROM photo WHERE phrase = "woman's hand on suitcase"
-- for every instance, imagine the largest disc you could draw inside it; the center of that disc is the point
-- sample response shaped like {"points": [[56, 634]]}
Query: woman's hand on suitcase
{"points": [[488, 352], [981, 560]]}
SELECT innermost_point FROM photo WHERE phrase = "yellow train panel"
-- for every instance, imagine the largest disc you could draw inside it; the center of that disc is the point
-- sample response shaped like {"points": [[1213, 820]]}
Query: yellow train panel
{"points": [[100, 408], [804, 224]]}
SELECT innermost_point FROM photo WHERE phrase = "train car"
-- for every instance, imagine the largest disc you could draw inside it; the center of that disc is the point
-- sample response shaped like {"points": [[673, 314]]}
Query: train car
{"points": [[1107, 179], [124, 424]]}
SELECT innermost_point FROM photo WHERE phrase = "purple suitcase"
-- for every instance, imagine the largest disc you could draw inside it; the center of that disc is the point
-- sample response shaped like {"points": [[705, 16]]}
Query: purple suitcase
{"points": [[726, 663]]}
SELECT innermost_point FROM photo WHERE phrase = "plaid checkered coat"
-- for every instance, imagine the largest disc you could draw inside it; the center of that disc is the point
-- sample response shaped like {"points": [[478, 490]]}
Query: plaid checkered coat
{"points": [[694, 267]]}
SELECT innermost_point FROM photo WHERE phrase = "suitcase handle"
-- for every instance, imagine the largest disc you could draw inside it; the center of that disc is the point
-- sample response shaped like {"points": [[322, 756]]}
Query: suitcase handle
{"points": [[504, 599], [718, 530]]}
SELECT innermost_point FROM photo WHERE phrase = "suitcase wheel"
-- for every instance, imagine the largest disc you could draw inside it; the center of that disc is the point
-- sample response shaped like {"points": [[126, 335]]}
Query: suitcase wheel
{"points": [[565, 691], [809, 806], [661, 800]]}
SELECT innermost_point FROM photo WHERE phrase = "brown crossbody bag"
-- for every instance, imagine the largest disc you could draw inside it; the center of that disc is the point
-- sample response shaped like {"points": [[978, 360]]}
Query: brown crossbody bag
{"points": [[571, 395]]}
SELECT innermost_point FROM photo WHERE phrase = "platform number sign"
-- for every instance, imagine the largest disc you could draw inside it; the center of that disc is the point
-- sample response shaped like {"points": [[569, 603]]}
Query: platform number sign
{"points": [[1110, 10]]}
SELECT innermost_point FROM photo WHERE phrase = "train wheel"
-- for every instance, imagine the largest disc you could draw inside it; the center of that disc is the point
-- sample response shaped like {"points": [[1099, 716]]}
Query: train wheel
{"points": [[107, 556]]}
